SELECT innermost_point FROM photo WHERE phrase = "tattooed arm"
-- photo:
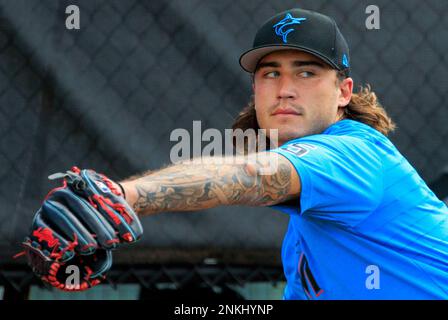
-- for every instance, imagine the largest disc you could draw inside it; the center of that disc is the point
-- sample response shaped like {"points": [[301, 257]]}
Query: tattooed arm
{"points": [[202, 184]]}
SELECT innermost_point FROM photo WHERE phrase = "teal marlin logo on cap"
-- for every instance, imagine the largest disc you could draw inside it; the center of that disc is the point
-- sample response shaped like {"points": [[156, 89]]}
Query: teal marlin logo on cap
{"points": [[345, 61], [287, 21]]}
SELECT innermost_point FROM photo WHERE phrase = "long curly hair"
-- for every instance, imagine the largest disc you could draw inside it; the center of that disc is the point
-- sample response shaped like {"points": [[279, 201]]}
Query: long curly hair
{"points": [[363, 107]]}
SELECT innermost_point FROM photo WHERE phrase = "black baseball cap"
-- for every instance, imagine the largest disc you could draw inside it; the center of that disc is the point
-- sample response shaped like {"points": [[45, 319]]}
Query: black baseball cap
{"points": [[305, 30]]}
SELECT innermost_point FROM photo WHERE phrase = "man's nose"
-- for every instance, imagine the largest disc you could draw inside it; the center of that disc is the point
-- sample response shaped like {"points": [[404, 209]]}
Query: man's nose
{"points": [[287, 90]]}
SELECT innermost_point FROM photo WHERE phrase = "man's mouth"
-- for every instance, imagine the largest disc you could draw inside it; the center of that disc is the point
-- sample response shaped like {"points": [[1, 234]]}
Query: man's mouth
{"points": [[286, 111]]}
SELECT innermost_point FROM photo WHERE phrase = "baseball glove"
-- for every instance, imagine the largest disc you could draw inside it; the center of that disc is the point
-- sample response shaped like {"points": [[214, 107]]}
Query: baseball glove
{"points": [[76, 228]]}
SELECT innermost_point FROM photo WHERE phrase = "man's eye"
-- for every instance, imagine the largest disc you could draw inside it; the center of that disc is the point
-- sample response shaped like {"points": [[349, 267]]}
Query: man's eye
{"points": [[306, 74], [272, 74]]}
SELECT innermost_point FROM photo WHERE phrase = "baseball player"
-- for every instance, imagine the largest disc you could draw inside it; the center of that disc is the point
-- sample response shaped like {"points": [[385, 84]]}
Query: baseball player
{"points": [[363, 224]]}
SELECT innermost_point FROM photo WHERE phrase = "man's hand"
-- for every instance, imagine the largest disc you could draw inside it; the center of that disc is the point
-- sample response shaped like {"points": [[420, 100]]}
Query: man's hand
{"points": [[78, 225]]}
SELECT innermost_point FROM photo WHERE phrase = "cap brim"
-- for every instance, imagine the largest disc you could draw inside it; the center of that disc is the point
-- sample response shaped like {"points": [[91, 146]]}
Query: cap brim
{"points": [[249, 60]]}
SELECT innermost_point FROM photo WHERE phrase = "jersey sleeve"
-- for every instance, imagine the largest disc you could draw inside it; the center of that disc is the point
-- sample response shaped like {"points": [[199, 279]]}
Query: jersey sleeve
{"points": [[341, 176]]}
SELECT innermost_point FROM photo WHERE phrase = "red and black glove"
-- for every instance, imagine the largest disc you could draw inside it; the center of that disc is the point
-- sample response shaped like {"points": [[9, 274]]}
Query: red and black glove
{"points": [[76, 228]]}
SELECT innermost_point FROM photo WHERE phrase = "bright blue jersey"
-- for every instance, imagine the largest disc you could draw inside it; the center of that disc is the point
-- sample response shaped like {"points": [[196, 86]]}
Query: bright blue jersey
{"points": [[367, 226]]}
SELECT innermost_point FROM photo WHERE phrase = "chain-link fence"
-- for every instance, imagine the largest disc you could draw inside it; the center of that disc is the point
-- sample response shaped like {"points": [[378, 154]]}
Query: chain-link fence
{"points": [[107, 97]]}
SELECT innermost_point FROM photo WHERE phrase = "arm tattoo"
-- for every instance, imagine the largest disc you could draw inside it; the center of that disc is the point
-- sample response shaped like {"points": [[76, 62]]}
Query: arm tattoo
{"points": [[192, 186]]}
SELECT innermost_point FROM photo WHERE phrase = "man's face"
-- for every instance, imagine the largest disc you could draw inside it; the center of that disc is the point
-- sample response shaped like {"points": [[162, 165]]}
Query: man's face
{"points": [[298, 94]]}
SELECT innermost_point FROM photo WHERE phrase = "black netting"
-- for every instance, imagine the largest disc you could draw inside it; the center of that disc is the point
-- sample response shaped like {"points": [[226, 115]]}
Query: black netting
{"points": [[108, 96]]}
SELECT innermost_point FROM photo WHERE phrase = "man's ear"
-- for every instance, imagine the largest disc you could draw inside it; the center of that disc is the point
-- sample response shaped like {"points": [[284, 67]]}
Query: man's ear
{"points": [[345, 91]]}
